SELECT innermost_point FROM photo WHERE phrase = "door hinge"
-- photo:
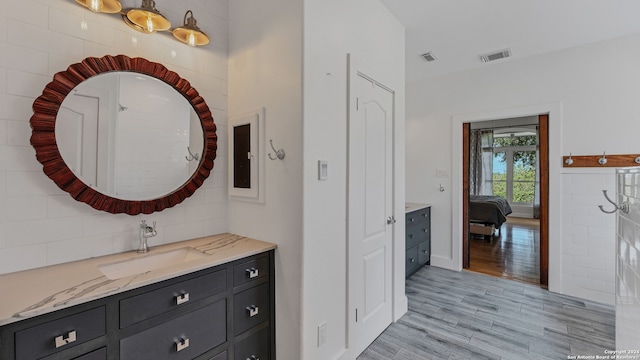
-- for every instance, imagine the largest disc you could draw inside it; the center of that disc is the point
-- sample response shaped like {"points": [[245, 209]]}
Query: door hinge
{"points": [[357, 103], [356, 314]]}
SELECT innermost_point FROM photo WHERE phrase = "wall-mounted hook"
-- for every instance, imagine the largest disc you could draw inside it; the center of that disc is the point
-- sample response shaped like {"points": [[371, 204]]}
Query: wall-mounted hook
{"points": [[191, 156], [603, 159], [637, 160], [569, 161], [441, 188], [279, 153], [624, 207]]}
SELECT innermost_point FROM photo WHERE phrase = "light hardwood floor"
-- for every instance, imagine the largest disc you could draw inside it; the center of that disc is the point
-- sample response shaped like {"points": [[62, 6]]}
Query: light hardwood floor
{"points": [[515, 254], [465, 315]]}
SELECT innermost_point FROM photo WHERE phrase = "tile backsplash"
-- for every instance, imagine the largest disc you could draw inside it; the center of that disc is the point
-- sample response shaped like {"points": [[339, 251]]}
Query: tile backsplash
{"points": [[588, 241], [40, 224]]}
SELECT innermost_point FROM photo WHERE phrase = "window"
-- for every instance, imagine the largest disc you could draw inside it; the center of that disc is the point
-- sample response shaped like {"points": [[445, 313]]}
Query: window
{"points": [[514, 167]]}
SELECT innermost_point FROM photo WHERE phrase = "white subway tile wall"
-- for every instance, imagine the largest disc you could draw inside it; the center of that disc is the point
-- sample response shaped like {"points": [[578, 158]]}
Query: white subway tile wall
{"points": [[627, 265], [588, 242], [40, 224]]}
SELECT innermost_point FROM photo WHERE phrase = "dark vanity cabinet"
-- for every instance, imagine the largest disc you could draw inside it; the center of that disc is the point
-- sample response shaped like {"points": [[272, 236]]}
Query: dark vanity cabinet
{"points": [[417, 239], [222, 313]]}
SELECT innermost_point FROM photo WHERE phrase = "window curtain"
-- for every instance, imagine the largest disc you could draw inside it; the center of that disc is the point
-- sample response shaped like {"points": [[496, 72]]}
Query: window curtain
{"points": [[536, 187], [481, 162]]}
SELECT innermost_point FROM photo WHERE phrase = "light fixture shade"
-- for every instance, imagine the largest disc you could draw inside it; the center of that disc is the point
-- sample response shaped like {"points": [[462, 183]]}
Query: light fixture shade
{"points": [[105, 6], [146, 18], [190, 33]]}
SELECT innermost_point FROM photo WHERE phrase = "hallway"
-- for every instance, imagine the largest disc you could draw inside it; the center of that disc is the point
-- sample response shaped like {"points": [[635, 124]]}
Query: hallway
{"points": [[465, 315]]}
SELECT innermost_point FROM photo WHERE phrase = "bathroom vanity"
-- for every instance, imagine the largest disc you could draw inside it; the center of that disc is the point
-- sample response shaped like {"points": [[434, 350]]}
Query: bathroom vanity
{"points": [[207, 298], [417, 237]]}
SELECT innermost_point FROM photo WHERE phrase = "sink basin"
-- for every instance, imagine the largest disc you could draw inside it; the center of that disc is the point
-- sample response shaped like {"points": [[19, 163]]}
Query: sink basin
{"points": [[144, 263]]}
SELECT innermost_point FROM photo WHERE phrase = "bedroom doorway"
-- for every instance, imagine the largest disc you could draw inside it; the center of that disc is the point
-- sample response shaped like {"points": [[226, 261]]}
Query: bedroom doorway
{"points": [[505, 165]]}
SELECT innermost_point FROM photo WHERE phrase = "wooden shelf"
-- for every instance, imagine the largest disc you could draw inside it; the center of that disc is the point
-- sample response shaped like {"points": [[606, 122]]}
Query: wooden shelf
{"points": [[616, 160]]}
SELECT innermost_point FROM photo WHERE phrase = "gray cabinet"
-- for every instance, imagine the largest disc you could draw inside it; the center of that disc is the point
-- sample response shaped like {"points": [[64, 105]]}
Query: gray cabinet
{"points": [[417, 240], [222, 313]]}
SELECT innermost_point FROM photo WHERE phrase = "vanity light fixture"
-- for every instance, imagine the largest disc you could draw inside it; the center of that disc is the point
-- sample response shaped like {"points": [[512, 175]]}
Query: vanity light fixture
{"points": [[105, 6], [190, 33], [146, 18]]}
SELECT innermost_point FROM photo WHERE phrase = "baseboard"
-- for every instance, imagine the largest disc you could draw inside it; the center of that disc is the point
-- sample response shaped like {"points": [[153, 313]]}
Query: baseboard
{"points": [[445, 263]]}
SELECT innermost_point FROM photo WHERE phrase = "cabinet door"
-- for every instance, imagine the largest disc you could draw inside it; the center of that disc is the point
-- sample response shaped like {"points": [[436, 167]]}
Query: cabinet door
{"points": [[183, 338]]}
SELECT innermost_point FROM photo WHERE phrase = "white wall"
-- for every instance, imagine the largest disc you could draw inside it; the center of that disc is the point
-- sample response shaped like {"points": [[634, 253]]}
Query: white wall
{"points": [[266, 62], [593, 90], [265, 70], [42, 225], [375, 39]]}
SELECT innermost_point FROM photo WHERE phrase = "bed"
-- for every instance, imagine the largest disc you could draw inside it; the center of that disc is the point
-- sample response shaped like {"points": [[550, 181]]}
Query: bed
{"points": [[487, 212]]}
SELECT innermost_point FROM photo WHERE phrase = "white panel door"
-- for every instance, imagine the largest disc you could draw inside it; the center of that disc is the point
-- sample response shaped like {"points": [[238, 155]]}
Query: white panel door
{"points": [[370, 211], [77, 128]]}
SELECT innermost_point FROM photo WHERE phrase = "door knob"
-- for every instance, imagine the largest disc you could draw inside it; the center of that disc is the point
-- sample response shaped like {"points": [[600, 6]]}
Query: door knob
{"points": [[391, 220]]}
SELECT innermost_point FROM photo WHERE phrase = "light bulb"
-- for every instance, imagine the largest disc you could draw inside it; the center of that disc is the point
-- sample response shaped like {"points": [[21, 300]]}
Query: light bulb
{"points": [[150, 24], [191, 39], [96, 5]]}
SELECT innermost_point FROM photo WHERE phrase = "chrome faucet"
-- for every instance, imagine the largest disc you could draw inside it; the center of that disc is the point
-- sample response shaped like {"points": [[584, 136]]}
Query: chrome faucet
{"points": [[146, 232]]}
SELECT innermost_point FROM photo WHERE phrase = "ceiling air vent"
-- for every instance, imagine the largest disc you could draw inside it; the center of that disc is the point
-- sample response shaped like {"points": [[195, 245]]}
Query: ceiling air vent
{"points": [[428, 57], [496, 55]]}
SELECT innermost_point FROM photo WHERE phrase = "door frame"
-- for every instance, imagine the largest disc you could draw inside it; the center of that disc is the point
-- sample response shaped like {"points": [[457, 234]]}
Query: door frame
{"points": [[554, 214], [543, 161]]}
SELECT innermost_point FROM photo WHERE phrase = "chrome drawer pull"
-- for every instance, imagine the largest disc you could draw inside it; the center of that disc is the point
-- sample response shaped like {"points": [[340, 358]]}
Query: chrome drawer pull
{"points": [[182, 344], [411, 220], [412, 260], [426, 230], [181, 299], [62, 341], [253, 310], [253, 357], [252, 273]]}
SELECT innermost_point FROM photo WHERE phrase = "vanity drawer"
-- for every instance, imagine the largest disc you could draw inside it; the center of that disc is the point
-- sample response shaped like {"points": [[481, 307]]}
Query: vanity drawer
{"points": [[411, 262], [424, 253], [417, 216], [222, 356], [145, 306], [100, 354], [61, 334], [183, 338], [250, 271], [416, 234], [250, 308], [255, 346]]}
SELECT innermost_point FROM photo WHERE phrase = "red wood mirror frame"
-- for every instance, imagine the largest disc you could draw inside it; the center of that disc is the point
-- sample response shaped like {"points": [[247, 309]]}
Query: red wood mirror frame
{"points": [[43, 138]]}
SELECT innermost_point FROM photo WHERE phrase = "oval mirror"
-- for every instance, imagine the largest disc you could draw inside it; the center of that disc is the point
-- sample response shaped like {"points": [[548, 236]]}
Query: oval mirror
{"points": [[123, 135]]}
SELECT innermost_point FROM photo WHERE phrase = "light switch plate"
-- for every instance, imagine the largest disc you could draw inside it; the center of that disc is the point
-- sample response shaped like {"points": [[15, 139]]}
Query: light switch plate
{"points": [[323, 170]]}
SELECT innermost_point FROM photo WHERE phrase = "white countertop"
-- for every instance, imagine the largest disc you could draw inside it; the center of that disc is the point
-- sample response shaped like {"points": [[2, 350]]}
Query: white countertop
{"points": [[409, 207], [38, 291]]}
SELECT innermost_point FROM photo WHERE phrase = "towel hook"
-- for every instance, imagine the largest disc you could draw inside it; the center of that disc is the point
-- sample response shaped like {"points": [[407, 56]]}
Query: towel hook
{"points": [[603, 159], [624, 207], [569, 161], [191, 156], [279, 153]]}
